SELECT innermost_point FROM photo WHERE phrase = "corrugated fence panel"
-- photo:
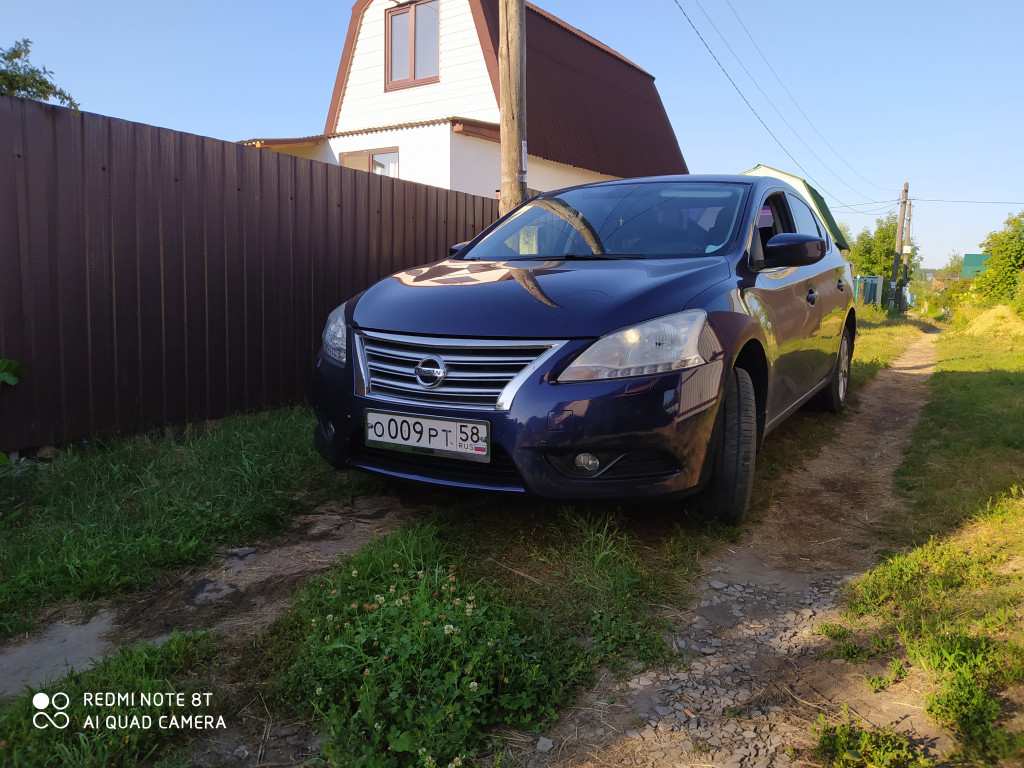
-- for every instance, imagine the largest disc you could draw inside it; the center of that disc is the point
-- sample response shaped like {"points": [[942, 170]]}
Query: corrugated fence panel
{"points": [[150, 278]]}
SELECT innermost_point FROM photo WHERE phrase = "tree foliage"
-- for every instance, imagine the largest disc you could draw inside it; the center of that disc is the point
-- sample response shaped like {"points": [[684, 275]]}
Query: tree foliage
{"points": [[954, 264], [872, 252], [19, 78], [1002, 279]]}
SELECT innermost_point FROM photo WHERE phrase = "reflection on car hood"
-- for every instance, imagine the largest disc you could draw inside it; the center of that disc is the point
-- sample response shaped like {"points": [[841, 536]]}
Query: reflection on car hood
{"points": [[533, 298]]}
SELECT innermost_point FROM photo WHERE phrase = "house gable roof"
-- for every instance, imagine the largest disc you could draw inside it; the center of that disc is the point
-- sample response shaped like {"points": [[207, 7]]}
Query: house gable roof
{"points": [[811, 195], [587, 105]]}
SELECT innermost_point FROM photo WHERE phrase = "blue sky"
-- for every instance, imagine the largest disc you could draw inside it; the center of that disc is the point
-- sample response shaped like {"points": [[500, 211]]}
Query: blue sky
{"points": [[862, 96]]}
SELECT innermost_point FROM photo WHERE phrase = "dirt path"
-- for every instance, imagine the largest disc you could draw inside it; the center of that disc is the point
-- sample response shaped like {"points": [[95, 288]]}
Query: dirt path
{"points": [[754, 688]]}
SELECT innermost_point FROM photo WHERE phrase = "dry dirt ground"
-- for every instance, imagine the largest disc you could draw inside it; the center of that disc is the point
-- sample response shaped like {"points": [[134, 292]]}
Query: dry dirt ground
{"points": [[747, 694]]}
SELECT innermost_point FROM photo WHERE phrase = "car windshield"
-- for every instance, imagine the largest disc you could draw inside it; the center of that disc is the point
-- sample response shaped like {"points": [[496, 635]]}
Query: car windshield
{"points": [[628, 220]]}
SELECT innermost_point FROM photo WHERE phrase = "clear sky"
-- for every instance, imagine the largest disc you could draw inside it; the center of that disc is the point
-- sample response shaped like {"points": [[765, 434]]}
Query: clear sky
{"points": [[862, 96]]}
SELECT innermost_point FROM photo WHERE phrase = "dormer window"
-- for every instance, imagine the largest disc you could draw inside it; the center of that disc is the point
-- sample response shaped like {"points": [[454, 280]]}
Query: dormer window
{"points": [[413, 44]]}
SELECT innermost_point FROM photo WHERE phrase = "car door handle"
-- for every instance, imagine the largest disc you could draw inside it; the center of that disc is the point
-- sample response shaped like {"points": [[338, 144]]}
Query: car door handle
{"points": [[812, 296], [841, 285]]}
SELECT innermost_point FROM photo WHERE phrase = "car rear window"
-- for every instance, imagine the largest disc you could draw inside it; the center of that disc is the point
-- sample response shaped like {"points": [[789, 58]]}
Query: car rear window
{"points": [[656, 219]]}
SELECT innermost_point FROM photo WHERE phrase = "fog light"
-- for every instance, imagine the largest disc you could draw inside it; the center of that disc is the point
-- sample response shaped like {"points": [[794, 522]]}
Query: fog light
{"points": [[588, 462]]}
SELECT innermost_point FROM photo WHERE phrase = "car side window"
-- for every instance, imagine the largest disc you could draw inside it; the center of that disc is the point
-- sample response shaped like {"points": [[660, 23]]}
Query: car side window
{"points": [[806, 223]]}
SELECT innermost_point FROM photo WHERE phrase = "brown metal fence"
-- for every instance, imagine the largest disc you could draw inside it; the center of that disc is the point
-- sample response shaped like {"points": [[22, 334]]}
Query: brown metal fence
{"points": [[150, 277]]}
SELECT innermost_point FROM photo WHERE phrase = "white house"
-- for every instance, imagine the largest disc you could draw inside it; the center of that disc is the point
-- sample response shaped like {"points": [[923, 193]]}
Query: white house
{"points": [[416, 97]]}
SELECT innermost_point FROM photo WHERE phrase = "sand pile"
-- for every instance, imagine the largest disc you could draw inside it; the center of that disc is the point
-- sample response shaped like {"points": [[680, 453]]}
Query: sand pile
{"points": [[998, 321]]}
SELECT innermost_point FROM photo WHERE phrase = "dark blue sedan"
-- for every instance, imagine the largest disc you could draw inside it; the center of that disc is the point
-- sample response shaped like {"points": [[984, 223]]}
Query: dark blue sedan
{"points": [[631, 339]]}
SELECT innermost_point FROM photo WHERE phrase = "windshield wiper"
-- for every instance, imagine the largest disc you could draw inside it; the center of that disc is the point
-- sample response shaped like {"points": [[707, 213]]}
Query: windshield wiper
{"points": [[581, 257]]}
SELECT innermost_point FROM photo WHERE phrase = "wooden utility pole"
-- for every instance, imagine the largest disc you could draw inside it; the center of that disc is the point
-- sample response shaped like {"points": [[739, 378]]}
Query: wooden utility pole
{"points": [[896, 258], [906, 257], [512, 87]]}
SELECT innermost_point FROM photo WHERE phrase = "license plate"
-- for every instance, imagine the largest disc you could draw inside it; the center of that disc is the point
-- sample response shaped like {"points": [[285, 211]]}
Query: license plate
{"points": [[455, 438]]}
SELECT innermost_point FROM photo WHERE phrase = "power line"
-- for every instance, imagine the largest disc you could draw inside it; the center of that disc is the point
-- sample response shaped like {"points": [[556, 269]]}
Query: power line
{"points": [[751, 107], [793, 99], [969, 202], [772, 103]]}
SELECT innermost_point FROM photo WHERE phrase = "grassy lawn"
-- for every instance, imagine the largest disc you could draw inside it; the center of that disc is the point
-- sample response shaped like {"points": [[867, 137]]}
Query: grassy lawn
{"points": [[491, 612], [111, 515]]}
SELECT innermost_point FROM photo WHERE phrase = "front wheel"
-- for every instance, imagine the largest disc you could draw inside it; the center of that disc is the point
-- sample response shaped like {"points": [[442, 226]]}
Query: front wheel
{"points": [[727, 495]]}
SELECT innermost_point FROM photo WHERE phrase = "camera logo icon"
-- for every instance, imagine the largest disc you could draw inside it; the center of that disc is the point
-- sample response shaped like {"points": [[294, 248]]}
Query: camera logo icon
{"points": [[43, 719]]}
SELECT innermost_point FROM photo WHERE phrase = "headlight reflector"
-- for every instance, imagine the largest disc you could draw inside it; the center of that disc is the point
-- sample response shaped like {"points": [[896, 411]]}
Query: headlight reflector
{"points": [[335, 335], [658, 346]]}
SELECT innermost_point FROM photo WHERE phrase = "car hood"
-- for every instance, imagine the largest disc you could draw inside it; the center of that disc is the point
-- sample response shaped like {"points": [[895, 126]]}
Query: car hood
{"points": [[534, 298]]}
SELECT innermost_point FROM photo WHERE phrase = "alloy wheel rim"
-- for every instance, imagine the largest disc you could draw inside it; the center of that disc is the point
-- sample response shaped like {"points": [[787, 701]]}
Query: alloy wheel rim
{"points": [[844, 369]]}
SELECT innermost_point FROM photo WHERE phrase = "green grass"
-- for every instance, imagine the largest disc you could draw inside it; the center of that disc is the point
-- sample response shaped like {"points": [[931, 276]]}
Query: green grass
{"points": [[954, 591], [179, 665], [969, 447], [404, 662], [111, 515]]}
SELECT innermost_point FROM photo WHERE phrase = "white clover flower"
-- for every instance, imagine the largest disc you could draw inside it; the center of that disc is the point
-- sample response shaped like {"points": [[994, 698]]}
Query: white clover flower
{"points": [[448, 629], [355, 572], [330, 617], [399, 603], [473, 686], [419, 574], [392, 590], [378, 727], [319, 691], [378, 599]]}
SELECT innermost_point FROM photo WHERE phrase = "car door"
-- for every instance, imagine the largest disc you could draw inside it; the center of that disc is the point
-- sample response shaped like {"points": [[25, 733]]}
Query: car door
{"points": [[786, 299], [830, 283]]}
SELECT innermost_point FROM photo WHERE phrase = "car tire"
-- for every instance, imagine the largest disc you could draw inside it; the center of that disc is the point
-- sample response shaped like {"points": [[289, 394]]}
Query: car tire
{"points": [[727, 495], [833, 397]]}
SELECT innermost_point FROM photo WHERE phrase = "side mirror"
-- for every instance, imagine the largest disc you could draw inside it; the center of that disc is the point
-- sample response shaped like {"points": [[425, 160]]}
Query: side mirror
{"points": [[793, 250], [457, 247]]}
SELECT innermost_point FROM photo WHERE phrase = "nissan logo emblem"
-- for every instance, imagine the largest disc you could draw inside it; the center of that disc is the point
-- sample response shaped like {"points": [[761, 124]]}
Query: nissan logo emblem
{"points": [[430, 372]]}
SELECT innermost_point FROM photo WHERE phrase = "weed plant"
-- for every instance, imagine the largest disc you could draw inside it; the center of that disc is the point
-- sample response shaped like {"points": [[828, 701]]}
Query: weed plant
{"points": [[848, 745], [407, 664], [177, 665]]}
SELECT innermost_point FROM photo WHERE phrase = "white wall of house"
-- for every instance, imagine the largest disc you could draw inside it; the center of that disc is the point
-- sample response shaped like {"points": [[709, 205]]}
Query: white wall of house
{"points": [[476, 169], [423, 151], [321, 151], [464, 89]]}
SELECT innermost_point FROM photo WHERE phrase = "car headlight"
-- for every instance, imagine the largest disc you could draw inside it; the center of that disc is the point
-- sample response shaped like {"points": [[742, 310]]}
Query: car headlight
{"points": [[664, 344], [336, 335]]}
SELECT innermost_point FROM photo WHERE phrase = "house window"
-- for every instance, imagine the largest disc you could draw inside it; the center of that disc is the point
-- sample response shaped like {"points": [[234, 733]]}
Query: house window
{"points": [[412, 45], [383, 162]]}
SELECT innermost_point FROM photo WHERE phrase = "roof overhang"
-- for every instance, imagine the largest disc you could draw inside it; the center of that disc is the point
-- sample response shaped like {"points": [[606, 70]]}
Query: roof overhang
{"points": [[304, 141]]}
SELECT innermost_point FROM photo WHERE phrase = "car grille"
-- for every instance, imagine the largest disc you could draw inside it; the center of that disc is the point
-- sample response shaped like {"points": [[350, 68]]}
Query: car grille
{"points": [[481, 374]]}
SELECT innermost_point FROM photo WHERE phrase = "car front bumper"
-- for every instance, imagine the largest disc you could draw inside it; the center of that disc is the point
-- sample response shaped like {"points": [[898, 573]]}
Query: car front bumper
{"points": [[651, 435]]}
